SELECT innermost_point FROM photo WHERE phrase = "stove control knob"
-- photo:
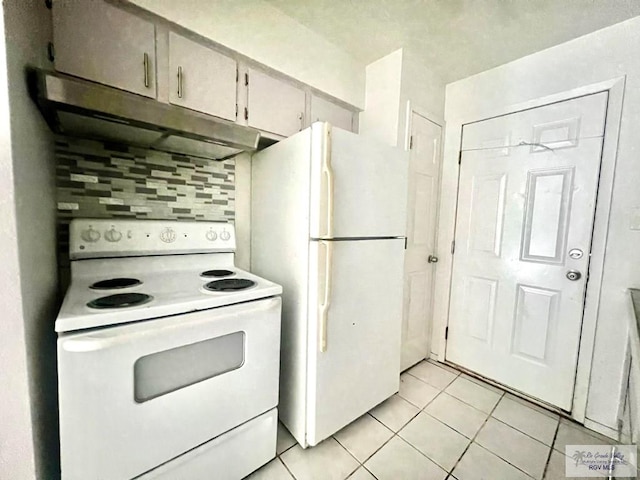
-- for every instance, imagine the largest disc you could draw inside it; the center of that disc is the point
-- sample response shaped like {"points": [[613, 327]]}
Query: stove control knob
{"points": [[168, 235], [90, 235], [211, 235], [224, 235], [112, 235]]}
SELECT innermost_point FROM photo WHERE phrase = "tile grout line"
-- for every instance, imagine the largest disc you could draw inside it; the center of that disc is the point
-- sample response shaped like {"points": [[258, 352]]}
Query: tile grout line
{"points": [[395, 434], [555, 436], [528, 435], [476, 434], [287, 468], [496, 454]]}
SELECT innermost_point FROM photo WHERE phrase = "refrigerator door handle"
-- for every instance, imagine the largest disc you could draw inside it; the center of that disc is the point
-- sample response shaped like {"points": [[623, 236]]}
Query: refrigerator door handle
{"points": [[327, 172], [326, 296]]}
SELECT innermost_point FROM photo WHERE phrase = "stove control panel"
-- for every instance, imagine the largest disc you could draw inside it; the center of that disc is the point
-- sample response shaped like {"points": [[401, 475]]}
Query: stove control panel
{"points": [[118, 238]]}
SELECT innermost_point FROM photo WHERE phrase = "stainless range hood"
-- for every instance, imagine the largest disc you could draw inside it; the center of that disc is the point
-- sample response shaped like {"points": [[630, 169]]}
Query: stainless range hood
{"points": [[81, 108]]}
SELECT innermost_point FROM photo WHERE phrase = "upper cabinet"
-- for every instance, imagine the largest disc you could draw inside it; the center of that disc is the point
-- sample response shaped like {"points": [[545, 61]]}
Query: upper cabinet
{"points": [[201, 79], [100, 42], [325, 111], [274, 105]]}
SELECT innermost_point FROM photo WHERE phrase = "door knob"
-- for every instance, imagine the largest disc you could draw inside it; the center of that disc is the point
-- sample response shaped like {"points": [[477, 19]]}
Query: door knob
{"points": [[573, 275], [432, 259]]}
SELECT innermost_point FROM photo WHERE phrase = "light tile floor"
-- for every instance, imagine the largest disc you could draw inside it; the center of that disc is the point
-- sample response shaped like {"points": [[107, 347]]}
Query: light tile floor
{"points": [[442, 425]]}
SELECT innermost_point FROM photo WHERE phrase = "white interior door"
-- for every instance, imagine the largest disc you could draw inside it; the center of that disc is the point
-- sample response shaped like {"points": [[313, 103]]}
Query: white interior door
{"points": [[422, 208], [526, 201], [354, 353]]}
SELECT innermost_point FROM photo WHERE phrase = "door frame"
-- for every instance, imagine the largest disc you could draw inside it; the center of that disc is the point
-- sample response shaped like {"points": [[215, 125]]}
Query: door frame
{"points": [[438, 120], [448, 212]]}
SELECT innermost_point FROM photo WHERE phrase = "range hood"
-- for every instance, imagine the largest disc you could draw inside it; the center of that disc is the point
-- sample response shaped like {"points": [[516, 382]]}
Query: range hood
{"points": [[85, 109]]}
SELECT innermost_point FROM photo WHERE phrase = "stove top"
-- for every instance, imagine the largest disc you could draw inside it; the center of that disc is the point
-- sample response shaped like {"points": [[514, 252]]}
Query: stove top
{"points": [[168, 285], [131, 270]]}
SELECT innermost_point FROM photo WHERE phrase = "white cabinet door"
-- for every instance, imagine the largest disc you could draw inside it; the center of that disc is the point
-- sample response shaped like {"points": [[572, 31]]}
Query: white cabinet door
{"points": [[419, 266], [274, 105], [526, 201], [201, 79], [100, 42], [325, 111]]}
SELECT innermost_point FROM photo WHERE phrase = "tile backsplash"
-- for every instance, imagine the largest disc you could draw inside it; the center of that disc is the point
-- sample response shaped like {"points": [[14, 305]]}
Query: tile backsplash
{"points": [[106, 180]]}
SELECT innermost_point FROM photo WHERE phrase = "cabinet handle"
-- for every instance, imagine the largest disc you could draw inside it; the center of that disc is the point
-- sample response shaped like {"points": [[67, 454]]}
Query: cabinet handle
{"points": [[146, 69], [179, 82], [301, 118]]}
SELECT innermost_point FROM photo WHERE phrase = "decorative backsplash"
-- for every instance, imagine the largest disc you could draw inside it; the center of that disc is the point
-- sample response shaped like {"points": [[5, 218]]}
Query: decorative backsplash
{"points": [[106, 180]]}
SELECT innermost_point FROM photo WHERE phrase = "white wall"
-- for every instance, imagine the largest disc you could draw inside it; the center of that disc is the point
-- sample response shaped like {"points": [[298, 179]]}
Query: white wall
{"points": [[394, 83], [243, 210], [29, 271], [380, 118], [422, 91], [598, 57], [263, 33], [16, 448]]}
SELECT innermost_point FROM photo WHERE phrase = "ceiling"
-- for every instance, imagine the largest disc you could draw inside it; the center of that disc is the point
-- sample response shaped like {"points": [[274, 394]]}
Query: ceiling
{"points": [[456, 38]]}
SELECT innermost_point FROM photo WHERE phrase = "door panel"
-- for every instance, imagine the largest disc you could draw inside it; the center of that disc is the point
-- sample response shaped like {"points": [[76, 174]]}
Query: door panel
{"points": [[535, 315], [515, 317], [422, 205], [369, 187], [546, 217], [557, 125], [103, 43], [480, 301], [201, 79], [487, 214], [274, 105], [361, 363]]}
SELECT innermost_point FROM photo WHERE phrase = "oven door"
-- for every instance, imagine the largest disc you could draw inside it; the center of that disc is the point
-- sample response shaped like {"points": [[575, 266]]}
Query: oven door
{"points": [[137, 395]]}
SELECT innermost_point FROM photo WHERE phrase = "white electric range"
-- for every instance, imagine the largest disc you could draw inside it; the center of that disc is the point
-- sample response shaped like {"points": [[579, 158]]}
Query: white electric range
{"points": [[168, 355]]}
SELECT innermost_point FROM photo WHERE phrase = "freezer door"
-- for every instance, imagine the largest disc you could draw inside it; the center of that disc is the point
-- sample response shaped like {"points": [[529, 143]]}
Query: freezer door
{"points": [[358, 186], [355, 318]]}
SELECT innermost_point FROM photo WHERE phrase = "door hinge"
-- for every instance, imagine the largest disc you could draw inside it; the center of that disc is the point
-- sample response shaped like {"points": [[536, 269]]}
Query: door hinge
{"points": [[236, 111], [48, 4], [246, 113], [237, 75], [405, 243], [453, 247], [460, 157], [246, 79], [446, 333], [50, 52], [411, 142]]}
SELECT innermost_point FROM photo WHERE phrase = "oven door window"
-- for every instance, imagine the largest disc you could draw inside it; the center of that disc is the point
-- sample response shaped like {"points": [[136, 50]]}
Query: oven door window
{"points": [[170, 370]]}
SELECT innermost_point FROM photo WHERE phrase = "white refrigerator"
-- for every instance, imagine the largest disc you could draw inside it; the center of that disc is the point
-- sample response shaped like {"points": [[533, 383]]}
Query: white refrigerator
{"points": [[328, 222]]}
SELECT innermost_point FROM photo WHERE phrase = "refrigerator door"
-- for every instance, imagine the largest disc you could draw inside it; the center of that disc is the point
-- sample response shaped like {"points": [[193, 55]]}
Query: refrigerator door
{"points": [[358, 186], [355, 316]]}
